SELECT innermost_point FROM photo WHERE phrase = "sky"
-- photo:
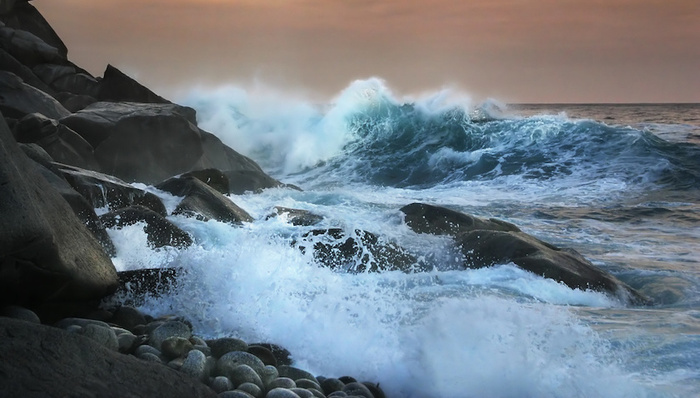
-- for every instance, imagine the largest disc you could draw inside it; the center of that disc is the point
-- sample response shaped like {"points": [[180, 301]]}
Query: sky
{"points": [[536, 51]]}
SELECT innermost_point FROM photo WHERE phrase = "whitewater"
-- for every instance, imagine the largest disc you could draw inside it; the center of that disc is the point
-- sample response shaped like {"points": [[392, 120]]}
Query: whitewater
{"points": [[620, 184]]}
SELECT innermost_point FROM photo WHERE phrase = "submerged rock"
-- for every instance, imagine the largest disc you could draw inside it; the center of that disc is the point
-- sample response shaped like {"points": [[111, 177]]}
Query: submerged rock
{"points": [[296, 217], [485, 243], [159, 231]]}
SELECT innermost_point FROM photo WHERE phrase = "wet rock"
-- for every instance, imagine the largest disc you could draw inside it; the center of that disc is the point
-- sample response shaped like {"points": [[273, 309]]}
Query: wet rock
{"points": [[268, 374], [136, 285], [235, 394], [295, 373], [306, 383], [159, 231], [357, 251], [281, 354], [296, 217], [127, 343], [302, 392], [251, 389], [374, 389], [102, 335], [331, 385], [167, 330], [175, 347], [485, 243], [203, 202], [263, 354], [195, 365], [316, 393], [212, 177], [220, 384], [224, 345], [281, 382], [104, 190], [357, 389], [128, 317], [281, 393], [244, 374], [228, 362]]}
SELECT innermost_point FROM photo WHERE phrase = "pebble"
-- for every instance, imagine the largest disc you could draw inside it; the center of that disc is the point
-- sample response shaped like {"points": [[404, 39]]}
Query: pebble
{"points": [[251, 389], [128, 317], [102, 335], [174, 347], [176, 363], [306, 383], [222, 346], [295, 373], [281, 393], [244, 374], [226, 364], [375, 390], [82, 322], [126, 341], [235, 394], [316, 393], [195, 365], [357, 389], [167, 330], [206, 350], [263, 354], [147, 356], [143, 349], [221, 384], [281, 382], [331, 385], [302, 392], [268, 374], [339, 394]]}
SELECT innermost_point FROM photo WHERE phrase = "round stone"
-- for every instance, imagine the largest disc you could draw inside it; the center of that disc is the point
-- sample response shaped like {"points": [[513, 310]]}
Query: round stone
{"points": [[126, 341], [167, 330], [234, 394], [268, 374], [244, 374], [195, 365], [316, 393], [220, 384], [222, 346], [295, 373], [302, 392], [176, 363], [251, 389], [128, 317], [17, 312], [174, 347], [331, 385], [142, 349], [306, 383], [281, 393], [374, 389], [337, 394], [226, 364], [264, 354], [103, 335], [150, 357], [281, 382], [358, 389]]}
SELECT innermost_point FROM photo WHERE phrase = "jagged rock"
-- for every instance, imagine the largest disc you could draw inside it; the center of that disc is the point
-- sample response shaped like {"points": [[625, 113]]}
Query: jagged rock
{"points": [[203, 202], [46, 250], [74, 102], [117, 86], [242, 181], [18, 99], [26, 47], [60, 142], [72, 365], [358, 251], [136, 285], [488, 242], [10, 64], [104, 190], [296, 217], [212, 177], [23, 16], [160, 232]]}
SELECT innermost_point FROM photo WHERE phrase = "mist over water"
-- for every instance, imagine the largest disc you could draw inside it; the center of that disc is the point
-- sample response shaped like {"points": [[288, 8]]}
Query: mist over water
{"points": [[623, 196]]}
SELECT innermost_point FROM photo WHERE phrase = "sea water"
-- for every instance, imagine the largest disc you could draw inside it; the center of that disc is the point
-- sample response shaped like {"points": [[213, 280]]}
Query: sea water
{"points": [[620, 184]]}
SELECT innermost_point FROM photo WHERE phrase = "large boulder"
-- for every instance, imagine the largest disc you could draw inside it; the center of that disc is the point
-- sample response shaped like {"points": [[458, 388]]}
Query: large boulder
{"points": [[44, 361], [357, 251], [18, 99], [202, 201], [21, 15], [485, 243], [10, 64], [45, 250], [27, 48]]}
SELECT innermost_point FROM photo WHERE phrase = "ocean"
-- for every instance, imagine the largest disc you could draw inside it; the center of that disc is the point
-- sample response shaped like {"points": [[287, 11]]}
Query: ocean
{"points": [[618, 183]]}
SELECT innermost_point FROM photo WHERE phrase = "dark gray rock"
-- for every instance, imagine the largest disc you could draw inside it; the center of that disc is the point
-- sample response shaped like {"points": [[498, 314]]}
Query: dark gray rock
{"points": [[228, 362], [306, 383], [136, 285], [302, 392], [360, 251], [10, 64], [244, 374], [203, 202], [374, 389], [235, 394], [357, 389], [281, 382], [167, 330], [242, 181], [331, 385], [281, 393], [488, 242], [220, 384], [47, 251], [212, 177], [18, 99], [104, 190], [73, 102], [128, 317], [263, 354], [281, 354], [159, 231], [297, 217], [295, 373], [127, 343], [71, 365], [26, 47], [224, 345], [23, 16], [195, 365], [118, 87], [20, 313], [175, 347], [102, 335], [251, 389]]}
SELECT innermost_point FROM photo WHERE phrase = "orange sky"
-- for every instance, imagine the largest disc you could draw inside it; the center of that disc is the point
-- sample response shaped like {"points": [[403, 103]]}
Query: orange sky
{"points": [[511, 50]]}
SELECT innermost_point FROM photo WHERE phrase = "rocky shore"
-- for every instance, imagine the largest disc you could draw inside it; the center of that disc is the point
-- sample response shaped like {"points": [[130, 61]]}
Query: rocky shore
{"points": [[71, 142]]}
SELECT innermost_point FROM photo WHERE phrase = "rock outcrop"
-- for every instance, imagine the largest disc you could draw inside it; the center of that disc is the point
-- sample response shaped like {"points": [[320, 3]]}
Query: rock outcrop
{"points": [[46, 251], [485, 243]]}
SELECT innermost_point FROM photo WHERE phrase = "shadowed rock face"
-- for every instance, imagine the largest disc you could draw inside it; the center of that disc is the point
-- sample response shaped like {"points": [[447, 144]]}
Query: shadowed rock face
{"points": [[488, 242], [46, 251]]}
